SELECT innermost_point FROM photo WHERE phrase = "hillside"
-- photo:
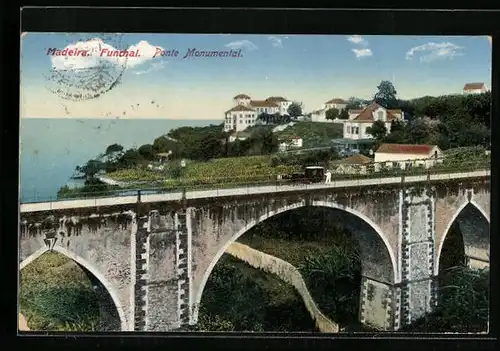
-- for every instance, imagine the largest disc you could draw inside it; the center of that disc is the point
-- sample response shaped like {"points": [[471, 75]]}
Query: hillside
{"points": [[313, 134]]}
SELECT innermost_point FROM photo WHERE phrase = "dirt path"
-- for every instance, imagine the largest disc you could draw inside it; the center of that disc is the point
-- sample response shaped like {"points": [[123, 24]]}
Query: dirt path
{"points": [[23, 325]]}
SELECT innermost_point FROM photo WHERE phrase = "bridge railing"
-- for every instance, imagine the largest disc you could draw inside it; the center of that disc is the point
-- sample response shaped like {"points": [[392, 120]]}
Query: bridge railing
{"points": [[371, 171]]}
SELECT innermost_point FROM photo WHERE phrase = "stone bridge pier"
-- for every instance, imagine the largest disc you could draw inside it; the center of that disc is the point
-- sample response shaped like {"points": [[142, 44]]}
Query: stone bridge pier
{"points": [[100, 242]]}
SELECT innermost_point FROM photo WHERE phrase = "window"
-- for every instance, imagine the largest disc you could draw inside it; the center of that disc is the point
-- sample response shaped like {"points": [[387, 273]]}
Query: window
{"points": [[241, 121], [380, 115], [435, 154], [348, 129]]}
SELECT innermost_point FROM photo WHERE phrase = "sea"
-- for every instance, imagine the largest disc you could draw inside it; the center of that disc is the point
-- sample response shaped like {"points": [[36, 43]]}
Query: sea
{"points": [[51, 148]]}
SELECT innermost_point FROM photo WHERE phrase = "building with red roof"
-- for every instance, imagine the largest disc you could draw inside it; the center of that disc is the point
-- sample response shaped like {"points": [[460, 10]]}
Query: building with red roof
{"points": [[475, 88], [408, 155]]}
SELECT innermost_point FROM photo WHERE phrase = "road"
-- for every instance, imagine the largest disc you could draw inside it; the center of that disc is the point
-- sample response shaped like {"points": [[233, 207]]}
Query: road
{"points": [[241, 191]]}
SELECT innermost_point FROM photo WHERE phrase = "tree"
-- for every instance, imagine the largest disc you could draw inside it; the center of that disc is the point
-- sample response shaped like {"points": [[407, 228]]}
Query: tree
{"points": [[147, 151], [265, 117], [295, 109], [396, 126], [386, 95], [165, 144], [332, 114], [92, 167], [344, 114], [377, 130], [113, 148], [417, 131], [353, 103], [207, 148], [131, 158]]}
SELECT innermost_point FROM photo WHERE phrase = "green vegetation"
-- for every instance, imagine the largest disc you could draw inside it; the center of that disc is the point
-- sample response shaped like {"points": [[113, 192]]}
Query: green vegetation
{"points": [[231, 295], [451, 121], [57, 295], [313, 134]]}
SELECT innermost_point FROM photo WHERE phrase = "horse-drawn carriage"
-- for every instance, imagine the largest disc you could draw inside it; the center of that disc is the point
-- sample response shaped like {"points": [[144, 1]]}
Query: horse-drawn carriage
{"points": [[311, 174]]}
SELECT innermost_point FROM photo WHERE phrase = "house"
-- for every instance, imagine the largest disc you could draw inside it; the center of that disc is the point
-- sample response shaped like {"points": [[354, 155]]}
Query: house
{"points": [[335, 103], [355, 133], [475, 88], [294, 142], [239, 118], [320, 115], [359, 121], [356, 164], [407, 155], [246, 111], [283, 103]]}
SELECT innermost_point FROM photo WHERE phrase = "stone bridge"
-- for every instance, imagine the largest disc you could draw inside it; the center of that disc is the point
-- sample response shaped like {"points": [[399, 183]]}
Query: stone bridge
{"points": [[154, 253]]}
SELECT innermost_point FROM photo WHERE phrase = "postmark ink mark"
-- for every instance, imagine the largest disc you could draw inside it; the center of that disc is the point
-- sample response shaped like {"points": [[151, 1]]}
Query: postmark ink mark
{"points": [[85, 77]]}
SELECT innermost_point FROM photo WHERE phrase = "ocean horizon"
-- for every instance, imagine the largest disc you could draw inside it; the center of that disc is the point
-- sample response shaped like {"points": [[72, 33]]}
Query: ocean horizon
{"points": [[51, 148]]}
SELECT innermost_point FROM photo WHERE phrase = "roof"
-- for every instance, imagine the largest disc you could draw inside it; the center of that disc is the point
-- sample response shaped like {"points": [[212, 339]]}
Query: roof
{"points": [[474, 86], [336, 101], [239, 108], [163, 154], [356, 159], [406, 149], [276, 99], [262, 103], [366, 114], [242, 96]]}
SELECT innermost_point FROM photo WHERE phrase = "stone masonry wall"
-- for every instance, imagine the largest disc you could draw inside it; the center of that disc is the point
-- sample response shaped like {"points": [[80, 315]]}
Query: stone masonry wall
{"points": [[418, 228], [100, 242]]}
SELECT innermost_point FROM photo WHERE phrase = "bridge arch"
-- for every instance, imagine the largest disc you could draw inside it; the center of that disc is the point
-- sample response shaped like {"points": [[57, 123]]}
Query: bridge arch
{"points": [[252, 223], [92, 269], [449, 225]]}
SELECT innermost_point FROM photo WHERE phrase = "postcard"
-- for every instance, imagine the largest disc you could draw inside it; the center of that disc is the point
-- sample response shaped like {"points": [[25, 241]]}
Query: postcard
{"points": [[258, 183]]}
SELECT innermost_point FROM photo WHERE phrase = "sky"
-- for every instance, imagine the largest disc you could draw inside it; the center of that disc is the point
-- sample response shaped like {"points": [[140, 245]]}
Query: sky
{"points": [[311, 69]]}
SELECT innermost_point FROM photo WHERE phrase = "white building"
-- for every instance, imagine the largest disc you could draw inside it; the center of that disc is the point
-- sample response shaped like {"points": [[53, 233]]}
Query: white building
{"points": [[264, 106], [246, 111], [335, 103], [283, 104], [320, 115], [239, 118], [292, 143], [360, 120], [407, 155], [475, 88]]}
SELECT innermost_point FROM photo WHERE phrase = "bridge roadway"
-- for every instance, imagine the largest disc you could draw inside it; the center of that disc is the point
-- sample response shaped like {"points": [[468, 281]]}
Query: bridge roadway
{"points": [[241, 191]]}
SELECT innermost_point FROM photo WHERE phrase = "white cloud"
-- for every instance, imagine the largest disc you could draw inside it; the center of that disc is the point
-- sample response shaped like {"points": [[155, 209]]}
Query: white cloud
{"points": [[435, 51], [362, 53], [357, 39], [94, 47], [242, 44], [276, 42], [155, 66]]}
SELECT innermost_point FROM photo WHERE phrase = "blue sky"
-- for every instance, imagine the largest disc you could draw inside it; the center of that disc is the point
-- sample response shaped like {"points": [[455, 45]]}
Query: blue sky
{"points": [[307, 68]]}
